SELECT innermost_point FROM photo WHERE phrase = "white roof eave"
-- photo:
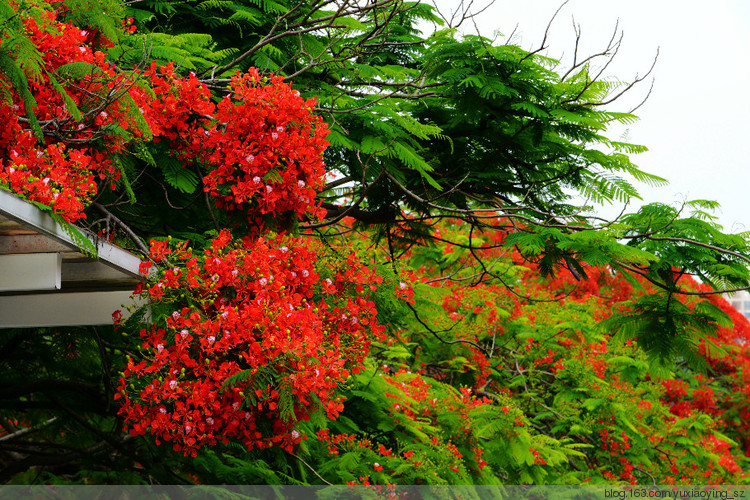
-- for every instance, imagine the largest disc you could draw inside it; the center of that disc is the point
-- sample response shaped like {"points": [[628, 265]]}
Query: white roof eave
{"points": [[32, 217]]}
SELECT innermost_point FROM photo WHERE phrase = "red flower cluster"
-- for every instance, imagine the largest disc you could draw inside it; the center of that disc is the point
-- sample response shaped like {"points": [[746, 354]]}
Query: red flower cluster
{"points": [[257, 341], [62, 172], [262, 146], [269, 154], [721, 448], [177, 112], [53, 176]]}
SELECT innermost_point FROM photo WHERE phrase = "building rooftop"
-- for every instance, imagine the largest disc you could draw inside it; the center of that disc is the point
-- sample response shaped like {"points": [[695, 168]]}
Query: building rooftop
{"points": [[53, 275]]}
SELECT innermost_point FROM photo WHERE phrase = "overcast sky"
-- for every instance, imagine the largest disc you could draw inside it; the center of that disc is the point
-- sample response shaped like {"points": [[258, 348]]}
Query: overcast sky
{"points": [[696, 123]]}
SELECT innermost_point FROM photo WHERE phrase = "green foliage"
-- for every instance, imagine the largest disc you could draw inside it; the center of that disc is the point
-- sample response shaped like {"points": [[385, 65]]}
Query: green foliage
{"points": [[177, 174], [101, 15], [230, 469], [667, 329], [688, 243], [14, 77]]}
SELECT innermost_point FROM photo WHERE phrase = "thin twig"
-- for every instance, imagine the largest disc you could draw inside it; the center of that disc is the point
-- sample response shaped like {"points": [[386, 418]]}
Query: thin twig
{"points": [[141, 246], [309, 467], [27, 430]]}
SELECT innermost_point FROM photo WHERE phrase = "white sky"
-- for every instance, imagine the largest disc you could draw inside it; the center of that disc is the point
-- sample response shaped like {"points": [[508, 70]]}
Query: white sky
{"points": [[696, 123]]}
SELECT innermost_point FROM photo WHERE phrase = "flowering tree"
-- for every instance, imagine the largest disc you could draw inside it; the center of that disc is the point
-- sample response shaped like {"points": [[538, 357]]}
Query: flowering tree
{"points": [[363, 287]]}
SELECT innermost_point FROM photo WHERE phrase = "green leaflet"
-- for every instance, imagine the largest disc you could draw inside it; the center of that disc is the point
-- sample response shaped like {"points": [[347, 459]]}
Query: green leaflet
{"points": [[70, 105], [667, 329], [407, 155], [17, 79], [177, 175], [124, 179]]}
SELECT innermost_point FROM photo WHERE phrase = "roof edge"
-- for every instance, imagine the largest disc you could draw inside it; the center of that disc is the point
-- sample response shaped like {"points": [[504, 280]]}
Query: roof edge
{"points": [[31, 216]]}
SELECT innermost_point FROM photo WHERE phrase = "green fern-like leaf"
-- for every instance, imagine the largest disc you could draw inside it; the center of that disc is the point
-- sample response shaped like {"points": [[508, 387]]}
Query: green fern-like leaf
{"points": [[667, 329], [118, 160], [70, 105], [177, 175], [286, 402], [17, 78], [252, 382]]}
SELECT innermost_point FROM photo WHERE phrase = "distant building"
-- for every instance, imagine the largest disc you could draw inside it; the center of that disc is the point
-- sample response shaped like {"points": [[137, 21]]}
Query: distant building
{"points": [[740, 301]]}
